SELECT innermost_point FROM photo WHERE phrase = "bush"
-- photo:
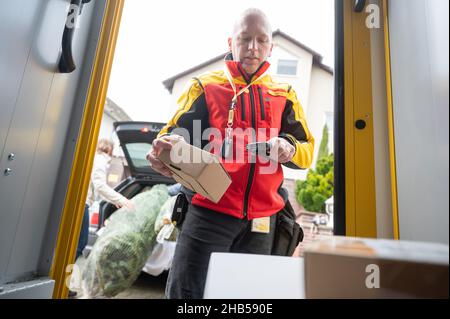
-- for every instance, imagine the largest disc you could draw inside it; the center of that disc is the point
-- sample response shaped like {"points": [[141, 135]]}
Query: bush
{"points": [[323, 148], [318, 186]]}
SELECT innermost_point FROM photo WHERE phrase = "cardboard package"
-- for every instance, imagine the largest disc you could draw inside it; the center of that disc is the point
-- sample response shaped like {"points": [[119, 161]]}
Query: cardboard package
{"points": [[196, 169], [346, 267]]}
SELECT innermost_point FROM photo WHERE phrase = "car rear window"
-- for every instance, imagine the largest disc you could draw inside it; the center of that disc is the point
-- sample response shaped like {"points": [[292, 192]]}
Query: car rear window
{"points": [[138, 152]]}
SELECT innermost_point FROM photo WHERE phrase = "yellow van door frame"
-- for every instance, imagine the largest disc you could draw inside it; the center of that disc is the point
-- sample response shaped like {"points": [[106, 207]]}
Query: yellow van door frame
{"points": [[390, 115], [355, 201], [72, 215]]}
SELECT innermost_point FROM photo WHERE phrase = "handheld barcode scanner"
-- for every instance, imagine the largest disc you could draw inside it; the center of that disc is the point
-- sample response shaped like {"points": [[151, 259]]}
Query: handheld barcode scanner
{"points": [[259, 148]]}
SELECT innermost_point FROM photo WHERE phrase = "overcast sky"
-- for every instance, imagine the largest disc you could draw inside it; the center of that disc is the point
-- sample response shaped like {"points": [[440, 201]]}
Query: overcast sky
{"points": [[159, 39]]}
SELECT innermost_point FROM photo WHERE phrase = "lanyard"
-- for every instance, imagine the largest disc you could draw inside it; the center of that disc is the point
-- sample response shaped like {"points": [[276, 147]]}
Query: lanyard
{"points": [[228, 141], [236, 95]]}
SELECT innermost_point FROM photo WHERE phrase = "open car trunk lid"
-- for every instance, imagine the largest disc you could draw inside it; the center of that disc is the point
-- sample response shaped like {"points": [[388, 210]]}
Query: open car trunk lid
{"points": [[136, 141]]}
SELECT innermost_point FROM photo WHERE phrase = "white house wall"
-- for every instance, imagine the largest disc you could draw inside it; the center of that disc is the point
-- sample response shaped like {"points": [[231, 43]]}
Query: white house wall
{"points": [[106, 128], [321, 101], [301, 83]]}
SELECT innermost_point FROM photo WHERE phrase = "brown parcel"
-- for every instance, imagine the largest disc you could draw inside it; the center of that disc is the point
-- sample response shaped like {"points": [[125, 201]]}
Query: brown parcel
{"points": [[345, 267], [196, 169]]}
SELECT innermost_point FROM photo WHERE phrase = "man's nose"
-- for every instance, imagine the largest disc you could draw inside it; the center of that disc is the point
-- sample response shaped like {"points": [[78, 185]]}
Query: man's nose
{"points": [[253, 46]]}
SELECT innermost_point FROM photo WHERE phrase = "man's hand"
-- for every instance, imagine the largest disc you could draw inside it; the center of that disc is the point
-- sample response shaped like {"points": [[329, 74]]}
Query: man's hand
{"points": [[281, 150], [159, 144]]}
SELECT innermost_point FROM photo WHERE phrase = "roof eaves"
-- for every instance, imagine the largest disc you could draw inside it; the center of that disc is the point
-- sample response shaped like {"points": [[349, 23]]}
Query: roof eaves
{"points": [[168, 83]]}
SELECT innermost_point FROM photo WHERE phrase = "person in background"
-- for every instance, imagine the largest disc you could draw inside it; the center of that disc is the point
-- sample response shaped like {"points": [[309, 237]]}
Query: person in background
{"points": [[99, 189]]}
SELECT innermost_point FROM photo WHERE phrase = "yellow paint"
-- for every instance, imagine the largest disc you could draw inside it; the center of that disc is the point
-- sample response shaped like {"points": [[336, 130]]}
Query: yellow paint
{"points": [[350, 215], [72, 215], [390, 113], [359, 144]]}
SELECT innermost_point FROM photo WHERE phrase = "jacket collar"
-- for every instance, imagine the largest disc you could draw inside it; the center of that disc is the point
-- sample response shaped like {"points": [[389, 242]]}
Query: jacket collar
{"points": [[236, 69]]}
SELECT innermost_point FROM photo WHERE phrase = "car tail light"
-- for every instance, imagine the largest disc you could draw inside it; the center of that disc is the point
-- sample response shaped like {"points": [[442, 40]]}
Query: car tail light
{"points": [[94, 218], [144, 130]]}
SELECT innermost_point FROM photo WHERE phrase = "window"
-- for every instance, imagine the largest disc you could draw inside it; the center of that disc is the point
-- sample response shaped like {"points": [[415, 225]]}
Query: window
{"points": [[138, 152], [287, 67], [329, 118]]}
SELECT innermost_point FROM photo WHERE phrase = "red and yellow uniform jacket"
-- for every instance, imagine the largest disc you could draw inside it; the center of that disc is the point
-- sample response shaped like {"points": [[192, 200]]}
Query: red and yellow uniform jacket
{"points": [[266, 105]]}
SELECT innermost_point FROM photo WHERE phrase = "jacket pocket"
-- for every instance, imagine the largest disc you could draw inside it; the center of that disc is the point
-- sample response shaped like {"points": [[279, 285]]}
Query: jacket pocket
{"points": [[261, 104], [274, 102], [264, 107]]}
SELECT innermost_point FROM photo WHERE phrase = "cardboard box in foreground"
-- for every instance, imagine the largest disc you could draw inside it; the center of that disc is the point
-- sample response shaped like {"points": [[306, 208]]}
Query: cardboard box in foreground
{"points": [[198, 170], [345, 267]]}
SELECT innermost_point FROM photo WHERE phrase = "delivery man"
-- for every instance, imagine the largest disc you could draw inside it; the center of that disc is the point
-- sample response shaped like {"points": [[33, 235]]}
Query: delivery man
{"points": [[231, 102]]}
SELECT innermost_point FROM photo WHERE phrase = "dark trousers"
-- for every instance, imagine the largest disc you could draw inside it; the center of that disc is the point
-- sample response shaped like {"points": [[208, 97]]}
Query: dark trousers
{"points": [[203, 232], [84, 233]]}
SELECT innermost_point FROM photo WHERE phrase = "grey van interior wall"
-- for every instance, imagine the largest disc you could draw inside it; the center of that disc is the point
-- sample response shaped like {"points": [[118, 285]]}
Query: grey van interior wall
{"points": [[41, 112], [419, 54], [73, 122]]}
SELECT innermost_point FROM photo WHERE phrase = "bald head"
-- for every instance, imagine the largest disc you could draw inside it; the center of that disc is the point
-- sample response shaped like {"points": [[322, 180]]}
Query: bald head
{"points": [[252, 15], [251, 41]]}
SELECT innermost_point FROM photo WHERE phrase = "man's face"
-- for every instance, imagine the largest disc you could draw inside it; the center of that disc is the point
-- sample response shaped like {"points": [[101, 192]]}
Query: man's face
{"points": [[251, 43]]}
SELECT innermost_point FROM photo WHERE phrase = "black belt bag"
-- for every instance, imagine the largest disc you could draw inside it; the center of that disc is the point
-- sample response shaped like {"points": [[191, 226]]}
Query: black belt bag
{"points": [[288, 233], [179, 210]]}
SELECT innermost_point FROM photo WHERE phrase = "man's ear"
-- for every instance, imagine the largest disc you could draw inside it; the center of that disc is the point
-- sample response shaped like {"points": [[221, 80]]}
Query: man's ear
{"points": [[270, 52], [230, 41]]}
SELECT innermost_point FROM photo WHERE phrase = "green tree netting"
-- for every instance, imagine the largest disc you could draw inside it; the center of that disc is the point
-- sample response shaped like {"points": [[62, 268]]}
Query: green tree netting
{"points": [[121, 251]]}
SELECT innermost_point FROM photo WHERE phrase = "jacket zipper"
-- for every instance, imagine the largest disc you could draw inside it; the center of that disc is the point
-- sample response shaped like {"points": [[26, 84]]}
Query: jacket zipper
{"points": [[243, 107], [252, 165], [261, 102]]}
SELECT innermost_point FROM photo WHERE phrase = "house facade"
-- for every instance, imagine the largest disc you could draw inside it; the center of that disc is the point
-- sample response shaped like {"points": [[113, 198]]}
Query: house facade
{"points": [[293, 63], [118, 169], [112, 113]]}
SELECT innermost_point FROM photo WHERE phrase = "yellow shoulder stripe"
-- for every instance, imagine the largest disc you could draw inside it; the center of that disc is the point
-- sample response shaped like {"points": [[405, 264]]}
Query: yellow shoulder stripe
{"points": [[188, 97]]}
